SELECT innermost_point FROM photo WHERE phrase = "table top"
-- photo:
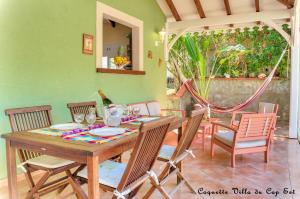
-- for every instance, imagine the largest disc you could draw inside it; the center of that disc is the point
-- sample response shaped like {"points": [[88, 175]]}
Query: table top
{"points": [[77, 147]]}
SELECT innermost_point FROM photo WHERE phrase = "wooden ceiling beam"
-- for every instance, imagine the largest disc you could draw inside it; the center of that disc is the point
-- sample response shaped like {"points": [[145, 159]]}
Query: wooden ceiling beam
{"points": [[228, 10], [199, 8], [174, 27], [257, 8], [288, 3], [173, 10], [200, 11], [227, 6]]}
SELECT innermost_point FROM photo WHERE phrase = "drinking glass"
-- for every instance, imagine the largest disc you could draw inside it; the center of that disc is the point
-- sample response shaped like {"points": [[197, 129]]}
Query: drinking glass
{"points": [[91, 116], [129, 110], [136, 111], [79, 117]]}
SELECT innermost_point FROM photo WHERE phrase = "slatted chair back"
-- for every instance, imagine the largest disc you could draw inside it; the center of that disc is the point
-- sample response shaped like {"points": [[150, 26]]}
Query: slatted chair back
{"points": [[264, 107], [255, 126], [145, 152], [81, 107], [23, 119], [189, 133]]}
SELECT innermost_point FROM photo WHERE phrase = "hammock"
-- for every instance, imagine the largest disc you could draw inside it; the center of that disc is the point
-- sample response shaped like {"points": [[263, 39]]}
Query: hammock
{"points": [[188, 85]]}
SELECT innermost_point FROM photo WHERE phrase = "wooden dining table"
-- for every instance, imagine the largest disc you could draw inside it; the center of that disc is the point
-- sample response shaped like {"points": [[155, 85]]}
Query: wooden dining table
{"points": [[78, 151]]}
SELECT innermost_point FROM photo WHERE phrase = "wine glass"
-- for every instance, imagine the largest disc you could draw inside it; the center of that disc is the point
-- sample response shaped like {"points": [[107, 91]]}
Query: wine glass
{"points": [[129, 110], [79, 117], [136, 111], [91, 116]]}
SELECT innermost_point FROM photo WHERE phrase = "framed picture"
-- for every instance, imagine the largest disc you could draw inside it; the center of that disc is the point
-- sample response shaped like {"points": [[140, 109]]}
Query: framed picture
{"points": [[87, 46]]}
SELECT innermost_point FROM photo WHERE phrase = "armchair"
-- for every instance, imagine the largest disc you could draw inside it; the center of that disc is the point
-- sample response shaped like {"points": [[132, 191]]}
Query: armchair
{"points": [[250, 136]]}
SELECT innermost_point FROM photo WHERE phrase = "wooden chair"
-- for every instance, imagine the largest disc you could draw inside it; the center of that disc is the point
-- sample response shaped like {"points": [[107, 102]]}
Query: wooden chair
{"points": [[263, 107], [250, 136], [23, 119], [175, 155], [124, 180], [153, 108], [81, 107]]}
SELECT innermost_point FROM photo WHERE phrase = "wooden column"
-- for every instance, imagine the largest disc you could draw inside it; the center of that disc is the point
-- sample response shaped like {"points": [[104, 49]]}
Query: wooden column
{"points": [[294, 122]]}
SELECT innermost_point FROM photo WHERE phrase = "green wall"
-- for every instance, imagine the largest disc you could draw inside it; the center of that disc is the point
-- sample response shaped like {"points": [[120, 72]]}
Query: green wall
{"points": [[41, 60]]}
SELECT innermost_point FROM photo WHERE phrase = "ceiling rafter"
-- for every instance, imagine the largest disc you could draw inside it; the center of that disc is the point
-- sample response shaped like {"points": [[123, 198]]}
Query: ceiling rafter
{"points": [[227, 6], [288, 3], [174, 27], [257, 9], [173, 10], [228, 10], [200, 11], [199, 8]]}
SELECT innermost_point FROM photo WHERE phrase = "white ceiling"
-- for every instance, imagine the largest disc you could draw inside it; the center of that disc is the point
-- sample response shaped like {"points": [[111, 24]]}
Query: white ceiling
{"points": [[216, 8]]}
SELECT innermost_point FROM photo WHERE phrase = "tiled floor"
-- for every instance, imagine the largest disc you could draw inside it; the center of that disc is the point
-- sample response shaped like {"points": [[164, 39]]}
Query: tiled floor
{"points": [[251, 172]]}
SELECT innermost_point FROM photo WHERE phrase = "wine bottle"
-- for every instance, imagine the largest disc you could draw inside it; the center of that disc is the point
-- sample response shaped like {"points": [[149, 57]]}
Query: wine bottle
{"points": [[105, 100]]}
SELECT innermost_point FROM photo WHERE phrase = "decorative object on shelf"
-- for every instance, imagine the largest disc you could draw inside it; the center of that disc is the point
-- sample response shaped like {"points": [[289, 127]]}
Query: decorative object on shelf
{"points": [[121, 61], [87, 44], [150, 54]]}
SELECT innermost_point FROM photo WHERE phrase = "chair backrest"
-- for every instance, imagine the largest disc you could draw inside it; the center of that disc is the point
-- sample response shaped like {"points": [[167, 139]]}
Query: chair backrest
{"points": [[142, 106], [153, 108], [189, 133], [81, 107], [146, 149], [23, 119], [264, 107], [255, 126]]}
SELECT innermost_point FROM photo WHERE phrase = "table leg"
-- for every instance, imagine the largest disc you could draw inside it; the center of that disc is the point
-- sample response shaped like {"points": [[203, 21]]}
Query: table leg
{"points": [[11, 170], [203, 137], [93, 177], [179, 166]]}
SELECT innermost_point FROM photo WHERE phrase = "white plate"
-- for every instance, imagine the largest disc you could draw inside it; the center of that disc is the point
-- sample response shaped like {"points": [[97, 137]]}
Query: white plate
{"points": [[147, 119], [67, 126], [107, 131]]}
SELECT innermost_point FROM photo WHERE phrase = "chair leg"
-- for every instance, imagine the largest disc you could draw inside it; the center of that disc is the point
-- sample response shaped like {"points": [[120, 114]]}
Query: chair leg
{"points": [[60, 190], [203, 139], [187, 183], [266, 156], [232, 160], [34, 190], [77, 189], [161, 190], [29, 179], [212, 152], [161, 176], [149, 192]]}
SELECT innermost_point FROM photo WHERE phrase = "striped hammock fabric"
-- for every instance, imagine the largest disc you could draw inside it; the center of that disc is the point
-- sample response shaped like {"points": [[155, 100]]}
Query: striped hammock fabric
{"points": [[188, 86]]}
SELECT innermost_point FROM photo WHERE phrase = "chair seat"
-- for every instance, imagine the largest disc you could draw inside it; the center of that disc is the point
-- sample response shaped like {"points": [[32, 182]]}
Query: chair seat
{"points": [[166, 152], [110, 173], [49, 162], [226, 137]]}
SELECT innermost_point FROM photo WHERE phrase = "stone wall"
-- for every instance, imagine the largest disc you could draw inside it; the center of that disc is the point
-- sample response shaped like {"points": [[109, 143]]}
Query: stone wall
{"points": [[230, 92]]}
